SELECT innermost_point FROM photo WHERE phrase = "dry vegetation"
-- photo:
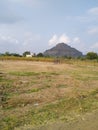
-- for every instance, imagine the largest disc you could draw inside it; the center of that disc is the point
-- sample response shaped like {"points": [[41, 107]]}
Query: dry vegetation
{"points": [[37, 93]]}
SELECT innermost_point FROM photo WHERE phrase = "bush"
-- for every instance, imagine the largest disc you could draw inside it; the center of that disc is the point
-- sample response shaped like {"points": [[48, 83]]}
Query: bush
{"points": [[91, 55], [40, 55]]}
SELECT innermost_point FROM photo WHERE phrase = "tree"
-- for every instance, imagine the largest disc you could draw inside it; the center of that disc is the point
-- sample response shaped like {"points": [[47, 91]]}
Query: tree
{"points": [[91, 55], [26, 53], [40, 55], [7, 53], [15, 54]]}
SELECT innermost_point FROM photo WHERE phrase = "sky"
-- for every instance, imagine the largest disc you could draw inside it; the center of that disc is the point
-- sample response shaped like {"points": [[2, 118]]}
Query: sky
{"points": [[38, 25]]}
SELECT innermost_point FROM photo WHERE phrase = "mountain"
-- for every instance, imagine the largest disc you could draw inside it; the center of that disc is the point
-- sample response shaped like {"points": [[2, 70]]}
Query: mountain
{"points": [[62, 49]]}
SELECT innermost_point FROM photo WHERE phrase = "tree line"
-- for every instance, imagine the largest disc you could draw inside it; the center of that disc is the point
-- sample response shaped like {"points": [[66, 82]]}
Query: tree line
{"points": [[89, 55], [22, 55]]}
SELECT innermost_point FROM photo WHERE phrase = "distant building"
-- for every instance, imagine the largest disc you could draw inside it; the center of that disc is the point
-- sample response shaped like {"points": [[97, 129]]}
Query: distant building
{"points": [[30, 55]]}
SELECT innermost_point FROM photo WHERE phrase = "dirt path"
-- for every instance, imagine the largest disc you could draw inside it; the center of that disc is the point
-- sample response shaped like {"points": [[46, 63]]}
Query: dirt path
{"points": [[88, 122]]}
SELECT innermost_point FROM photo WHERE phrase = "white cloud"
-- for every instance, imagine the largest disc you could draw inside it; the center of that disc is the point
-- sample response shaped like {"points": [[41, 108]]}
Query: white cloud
{"points": [[55, 39], [18, 38], [93, 30], [76, 40], [9, 43], [64, 38], [8, 39], [91, 15], [94, 46], [93, 11]]}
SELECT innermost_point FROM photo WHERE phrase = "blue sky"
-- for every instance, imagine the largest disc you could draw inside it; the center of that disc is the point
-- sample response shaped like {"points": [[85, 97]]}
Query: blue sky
{"points": [[37, 25]]}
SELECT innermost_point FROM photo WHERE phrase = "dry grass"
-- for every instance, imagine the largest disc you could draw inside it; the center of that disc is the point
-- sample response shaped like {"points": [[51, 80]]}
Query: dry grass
{"points": [[35, 93]]}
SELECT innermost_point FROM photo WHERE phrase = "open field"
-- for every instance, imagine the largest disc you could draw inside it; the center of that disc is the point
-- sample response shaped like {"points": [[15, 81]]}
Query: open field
{"points": [[34, 94]]}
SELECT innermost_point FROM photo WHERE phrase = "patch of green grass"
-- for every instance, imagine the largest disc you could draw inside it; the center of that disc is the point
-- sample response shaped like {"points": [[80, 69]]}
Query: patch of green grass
{"points": [[24, 73], [3, 78], [38, 89], [85, 75], [86, 78], [10, 122], [62, 86], [49, 73], [34, 90], [61, 110], [47, 86], [94, 92]]}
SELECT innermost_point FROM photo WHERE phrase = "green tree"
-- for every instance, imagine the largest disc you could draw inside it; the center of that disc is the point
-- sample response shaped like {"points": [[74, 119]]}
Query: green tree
{"points": [[40, 55], [7, 53], [26, 53], [91, 55], [15, 54]]}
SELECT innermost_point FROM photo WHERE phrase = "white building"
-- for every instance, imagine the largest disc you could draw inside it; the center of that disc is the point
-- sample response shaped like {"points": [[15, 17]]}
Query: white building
{"points": [[30, 55]]}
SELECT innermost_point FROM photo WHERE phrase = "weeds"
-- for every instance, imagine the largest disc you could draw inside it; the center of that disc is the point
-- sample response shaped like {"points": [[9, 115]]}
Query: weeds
{"points": [[61, 92], [24, 73]]}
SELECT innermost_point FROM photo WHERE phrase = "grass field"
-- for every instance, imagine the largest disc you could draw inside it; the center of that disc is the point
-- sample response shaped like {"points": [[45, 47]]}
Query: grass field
{"points": [[34, 93]]}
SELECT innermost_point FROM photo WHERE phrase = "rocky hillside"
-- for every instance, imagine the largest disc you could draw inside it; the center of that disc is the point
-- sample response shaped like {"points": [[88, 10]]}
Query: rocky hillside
{"points": [[63, 49]]}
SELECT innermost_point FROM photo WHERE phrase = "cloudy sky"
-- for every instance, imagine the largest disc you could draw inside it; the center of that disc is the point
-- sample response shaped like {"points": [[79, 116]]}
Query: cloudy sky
{"points": [[37, 25]]}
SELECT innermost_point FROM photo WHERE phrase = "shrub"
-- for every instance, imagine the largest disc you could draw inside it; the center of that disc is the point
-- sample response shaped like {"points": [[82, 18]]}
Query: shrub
{"points": [[91, 55]]}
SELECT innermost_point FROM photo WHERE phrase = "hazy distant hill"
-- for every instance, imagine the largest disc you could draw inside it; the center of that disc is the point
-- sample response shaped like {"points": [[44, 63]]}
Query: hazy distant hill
{"points": [[63, 49]]}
